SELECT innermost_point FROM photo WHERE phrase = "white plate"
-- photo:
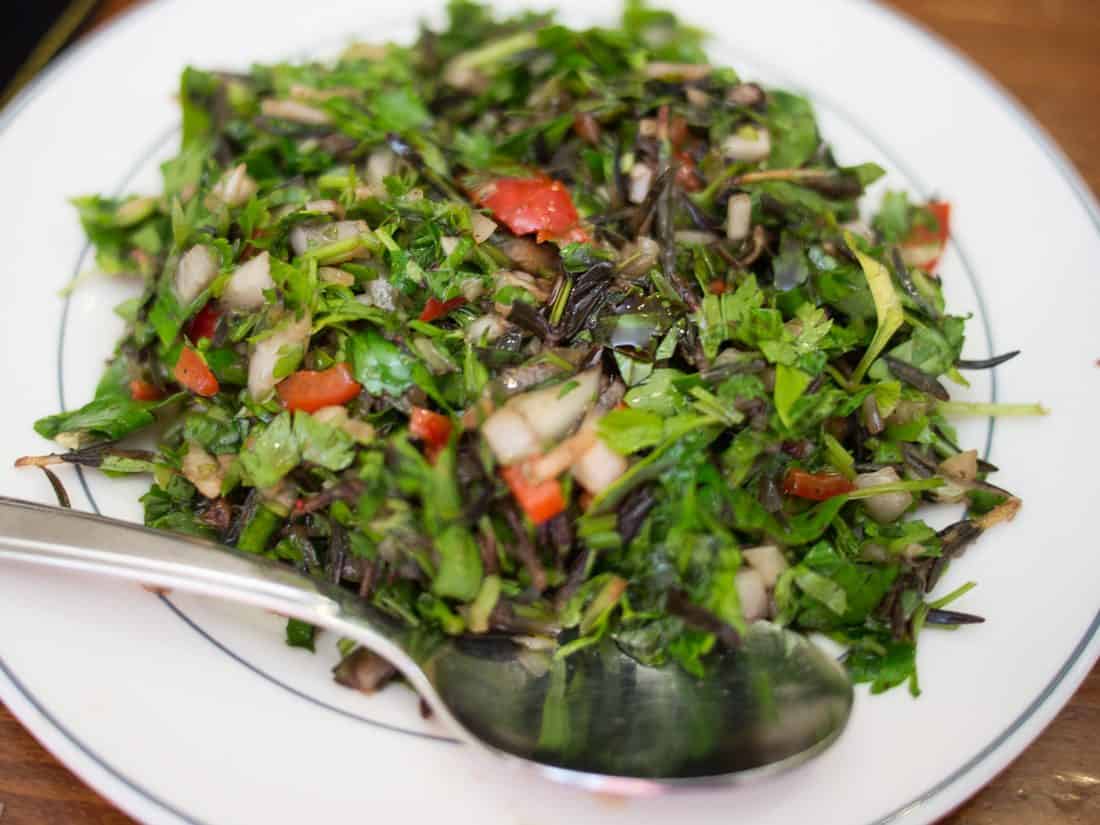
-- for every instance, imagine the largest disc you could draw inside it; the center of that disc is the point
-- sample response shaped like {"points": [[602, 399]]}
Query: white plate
{"points": [[189, 712]]}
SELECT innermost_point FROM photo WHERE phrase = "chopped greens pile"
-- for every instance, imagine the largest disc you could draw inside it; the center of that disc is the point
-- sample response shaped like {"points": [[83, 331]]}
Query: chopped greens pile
{"points": [[551, 333]]}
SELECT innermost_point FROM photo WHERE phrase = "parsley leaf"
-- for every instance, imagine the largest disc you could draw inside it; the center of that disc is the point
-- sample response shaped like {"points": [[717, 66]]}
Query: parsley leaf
{"points": [[273, 454], [379, 365]]}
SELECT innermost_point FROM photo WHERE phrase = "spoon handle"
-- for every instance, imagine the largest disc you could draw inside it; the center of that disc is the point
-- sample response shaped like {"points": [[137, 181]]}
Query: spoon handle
{"points": [[73, 540]]}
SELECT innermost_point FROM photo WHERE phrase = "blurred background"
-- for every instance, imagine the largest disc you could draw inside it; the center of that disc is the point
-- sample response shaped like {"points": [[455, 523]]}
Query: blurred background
{"points": [[34, 31]]}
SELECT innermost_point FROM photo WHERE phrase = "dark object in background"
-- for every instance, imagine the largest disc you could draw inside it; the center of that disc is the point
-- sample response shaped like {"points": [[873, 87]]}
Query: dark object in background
{"points": [[31, 33]]}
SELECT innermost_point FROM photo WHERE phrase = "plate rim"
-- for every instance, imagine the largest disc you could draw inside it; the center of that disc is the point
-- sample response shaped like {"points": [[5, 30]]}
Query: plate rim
{"points": [[135, 800]]}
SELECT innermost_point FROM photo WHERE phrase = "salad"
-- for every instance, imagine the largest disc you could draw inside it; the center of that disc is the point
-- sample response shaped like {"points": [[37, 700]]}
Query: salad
{"points": [[560, 334]]}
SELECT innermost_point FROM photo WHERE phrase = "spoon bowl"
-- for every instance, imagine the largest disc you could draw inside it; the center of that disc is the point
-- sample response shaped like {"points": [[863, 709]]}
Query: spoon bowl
{"points": [[597, 718]]}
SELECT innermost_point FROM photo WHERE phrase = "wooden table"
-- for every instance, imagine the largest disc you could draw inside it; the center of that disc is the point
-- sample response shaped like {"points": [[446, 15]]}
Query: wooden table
{"points": [[1047, 52]]}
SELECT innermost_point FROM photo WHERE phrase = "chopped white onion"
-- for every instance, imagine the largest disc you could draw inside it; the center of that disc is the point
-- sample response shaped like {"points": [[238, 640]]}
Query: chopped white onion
{"points": [[337, 416], [767, 560], [325, 205], [859, 227], [202, 470], [913, 550], [380, 166], [907, 412], [874, 552], [135, 210], [958, 470], [752, 594], [235, 187], [639, 256], [921, 256], [197, 269], [267, 351], [524, 280], [677, 71], [950, 493], [461, 75], [485, 329], [509, 436], [303, 92], [483, 227], [335, 275], [552, 414], [745, 94], [307, 235], [280, 495], [449, 244], [246, 286], [437, 361], [749, 145], [361, 432], [697, 97], [280, 212], [886, 507], [641, 178], [526, 254], [559, 459], [961, 467], [599, 467], [472, 288], [738, 217], [74, 439], [695, 237], [295, 111], [379, 293]]}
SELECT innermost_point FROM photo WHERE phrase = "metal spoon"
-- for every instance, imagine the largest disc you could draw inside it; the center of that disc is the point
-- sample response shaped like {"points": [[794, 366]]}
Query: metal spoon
{"points": [[596, 719]]}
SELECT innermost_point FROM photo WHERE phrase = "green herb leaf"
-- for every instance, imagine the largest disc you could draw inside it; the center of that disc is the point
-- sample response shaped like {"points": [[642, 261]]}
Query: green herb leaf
{"points": [[105, 418], [323, 444], [793, 128], [379, 365], [630, 430], [273, 454], [888, 307], [460, 570], [300, 634], [790, 384], [839, 592]]}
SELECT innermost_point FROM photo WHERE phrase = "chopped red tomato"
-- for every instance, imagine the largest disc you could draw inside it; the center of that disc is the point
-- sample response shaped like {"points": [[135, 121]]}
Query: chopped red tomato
{"points": [[310, 390], [434, 308], [430, 427], [204, 324], [193, 374], [527, 205], [717, 287], [924, 246], [144, 391], [815, 486], [541, 502]]}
